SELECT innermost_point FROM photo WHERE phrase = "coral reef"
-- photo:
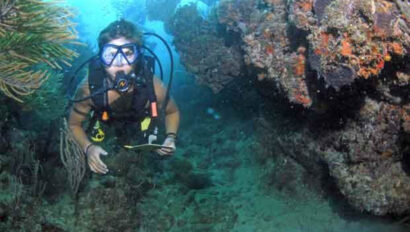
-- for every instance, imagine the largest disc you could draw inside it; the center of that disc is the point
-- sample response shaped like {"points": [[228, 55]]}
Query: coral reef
{"points": [[361, 36], [267, 45], [107, 208], [297, 43], [346, 59], [366, 159], [202, 51]]}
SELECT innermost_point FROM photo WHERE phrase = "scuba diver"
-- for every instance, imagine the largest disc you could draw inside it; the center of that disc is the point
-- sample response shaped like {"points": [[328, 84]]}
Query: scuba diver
{"points": [[121, 87]]}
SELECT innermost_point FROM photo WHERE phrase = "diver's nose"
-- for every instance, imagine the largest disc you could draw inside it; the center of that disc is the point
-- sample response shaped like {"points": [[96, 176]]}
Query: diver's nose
{"points": [[119, 60]]}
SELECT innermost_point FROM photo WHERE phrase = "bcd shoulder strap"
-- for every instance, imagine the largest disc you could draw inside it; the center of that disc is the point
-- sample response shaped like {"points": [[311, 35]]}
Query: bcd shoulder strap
{"points": [[145, 86], [96, 82], [149, 70]]}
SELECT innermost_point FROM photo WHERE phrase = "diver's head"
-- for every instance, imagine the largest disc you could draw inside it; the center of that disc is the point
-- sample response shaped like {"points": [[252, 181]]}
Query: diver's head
{"points": [[119, 45]]}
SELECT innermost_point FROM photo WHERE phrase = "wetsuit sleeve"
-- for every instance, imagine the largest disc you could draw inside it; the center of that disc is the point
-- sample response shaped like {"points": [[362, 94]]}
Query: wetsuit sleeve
{"points": [[172, 115]]}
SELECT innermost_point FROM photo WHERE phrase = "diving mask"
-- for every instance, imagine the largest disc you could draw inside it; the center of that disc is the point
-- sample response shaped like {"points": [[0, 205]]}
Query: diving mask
{"points": [[112, 54]]}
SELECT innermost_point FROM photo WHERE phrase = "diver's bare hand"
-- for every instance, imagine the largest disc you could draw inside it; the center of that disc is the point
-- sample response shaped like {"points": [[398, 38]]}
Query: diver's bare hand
{"points": [[93, 157], [170, 147]]}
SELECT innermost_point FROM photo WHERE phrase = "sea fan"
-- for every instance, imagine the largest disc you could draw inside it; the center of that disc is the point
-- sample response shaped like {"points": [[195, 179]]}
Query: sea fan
{"points": [[32, 38]]}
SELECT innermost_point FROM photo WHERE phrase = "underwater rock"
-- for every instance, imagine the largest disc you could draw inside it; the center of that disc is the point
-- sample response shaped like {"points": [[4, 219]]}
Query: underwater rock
{"points": [[343, 41], [109, 182], [344, 45], [184, 172], [198, 212], [46, 227], [360, 35], [268, 48], [198, 181], [3, 213], [339, 76], [107, 208], [376, 188], [366, 160], [364, 157], [203, 51], [319, 7], [3, 144], [302, 14]]}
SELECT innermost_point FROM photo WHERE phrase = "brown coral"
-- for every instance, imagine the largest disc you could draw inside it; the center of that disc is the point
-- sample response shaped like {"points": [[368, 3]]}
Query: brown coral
{"points": [[300, 60], [346, 49], [305, 5], [323, 39], [396, 48]]}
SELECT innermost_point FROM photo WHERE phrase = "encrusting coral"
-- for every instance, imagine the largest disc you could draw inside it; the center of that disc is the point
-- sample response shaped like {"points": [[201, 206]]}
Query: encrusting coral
{"points": [[361, 35], [323, 55], [203, 51], [341, 41]]}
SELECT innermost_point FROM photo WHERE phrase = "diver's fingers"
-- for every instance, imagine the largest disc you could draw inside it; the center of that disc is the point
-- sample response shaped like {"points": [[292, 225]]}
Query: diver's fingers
{"points": [[99, 167], [170, 152], [97, 161], [103, 152], [169, 145], [170, 149], [92, 167], [160, 152], [100, 163], [166, 151]]}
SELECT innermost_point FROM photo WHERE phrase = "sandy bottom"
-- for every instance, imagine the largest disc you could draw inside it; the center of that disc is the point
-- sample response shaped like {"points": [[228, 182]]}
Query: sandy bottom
{"points": [[237, 201]]}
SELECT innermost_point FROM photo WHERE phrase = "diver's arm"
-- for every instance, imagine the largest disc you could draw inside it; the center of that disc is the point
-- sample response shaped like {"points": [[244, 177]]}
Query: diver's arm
{"points": [[172, 116], [78, 114]]}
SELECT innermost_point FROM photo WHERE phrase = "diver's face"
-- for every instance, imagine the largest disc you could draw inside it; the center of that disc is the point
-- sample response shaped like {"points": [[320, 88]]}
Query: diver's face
{"points": [[115, 67]]}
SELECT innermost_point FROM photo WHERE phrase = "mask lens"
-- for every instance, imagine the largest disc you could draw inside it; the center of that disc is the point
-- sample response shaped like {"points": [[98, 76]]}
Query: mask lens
{"points": [[108, 54], [119, 55], [130, 52]]}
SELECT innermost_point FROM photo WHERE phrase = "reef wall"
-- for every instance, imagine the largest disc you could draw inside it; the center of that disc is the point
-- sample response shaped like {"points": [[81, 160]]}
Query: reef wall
{"points": [[343, 61], [203, 51]]}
